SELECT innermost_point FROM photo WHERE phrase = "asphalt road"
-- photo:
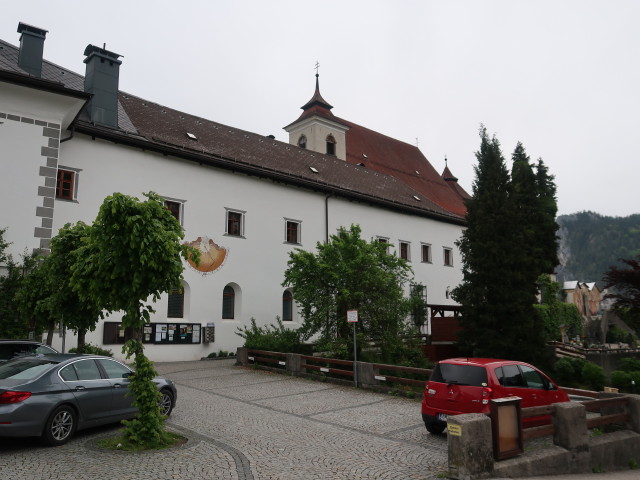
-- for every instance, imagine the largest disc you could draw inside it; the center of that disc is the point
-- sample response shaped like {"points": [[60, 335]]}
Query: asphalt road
{"points": [[249, 424]]}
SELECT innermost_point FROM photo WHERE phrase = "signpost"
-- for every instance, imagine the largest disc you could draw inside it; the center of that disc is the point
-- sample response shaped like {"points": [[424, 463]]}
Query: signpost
{"points": [[352, 317]]}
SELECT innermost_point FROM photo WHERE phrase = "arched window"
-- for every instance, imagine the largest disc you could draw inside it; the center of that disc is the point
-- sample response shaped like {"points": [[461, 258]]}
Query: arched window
{"points": [[287, 306], [331, 145], [228, 302], [302, 142]]}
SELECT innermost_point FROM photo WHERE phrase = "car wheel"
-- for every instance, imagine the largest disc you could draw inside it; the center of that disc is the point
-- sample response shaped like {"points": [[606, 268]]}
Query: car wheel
{"points": [[60, 426], [435, 428], [166, 403]]}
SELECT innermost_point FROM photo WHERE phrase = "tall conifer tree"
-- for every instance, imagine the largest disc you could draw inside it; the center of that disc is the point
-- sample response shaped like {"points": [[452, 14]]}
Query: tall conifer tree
{"points": [[507, 244]]}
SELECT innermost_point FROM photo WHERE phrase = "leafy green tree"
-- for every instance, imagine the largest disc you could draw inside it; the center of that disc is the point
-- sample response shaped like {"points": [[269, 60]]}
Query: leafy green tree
{"points": [[554, 314], [14, 322], [349, 273], [32, 299], [76, 312], [503, 256], [131, 255]]}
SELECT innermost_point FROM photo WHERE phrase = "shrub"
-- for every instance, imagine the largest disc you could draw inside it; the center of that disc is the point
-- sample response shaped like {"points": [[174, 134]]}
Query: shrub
{"points": [[593, 376], [616, 335], [629, 364], [568, 371], [621, 380], [212, 355], [276, 338], [92, 350]]}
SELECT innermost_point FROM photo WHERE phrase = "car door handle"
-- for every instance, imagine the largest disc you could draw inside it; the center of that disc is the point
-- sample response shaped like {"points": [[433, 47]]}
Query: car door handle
{"points": [[79, 387], [116, 385]]}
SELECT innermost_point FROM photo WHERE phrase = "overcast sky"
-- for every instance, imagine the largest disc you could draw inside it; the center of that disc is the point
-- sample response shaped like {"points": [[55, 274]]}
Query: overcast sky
{"points": [[562, 77]]}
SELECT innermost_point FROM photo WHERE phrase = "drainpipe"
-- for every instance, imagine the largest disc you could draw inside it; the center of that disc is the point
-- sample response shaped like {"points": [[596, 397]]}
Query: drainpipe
{"points": [[62, 140], [326, 219]]}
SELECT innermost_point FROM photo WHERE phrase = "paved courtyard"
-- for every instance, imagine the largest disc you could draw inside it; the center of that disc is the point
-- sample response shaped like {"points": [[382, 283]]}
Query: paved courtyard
{"points": [[250, 424]]}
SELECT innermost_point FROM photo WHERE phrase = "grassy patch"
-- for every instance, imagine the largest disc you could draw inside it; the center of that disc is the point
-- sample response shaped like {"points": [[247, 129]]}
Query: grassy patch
{"points": [[171, 440]]}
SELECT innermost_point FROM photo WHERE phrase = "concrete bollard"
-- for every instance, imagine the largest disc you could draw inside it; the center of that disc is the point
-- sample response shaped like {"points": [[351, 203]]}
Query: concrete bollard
{"points": [[242, 356], [570, 422], [470, 446], [634, 412], [366, 375], [294, 363]]}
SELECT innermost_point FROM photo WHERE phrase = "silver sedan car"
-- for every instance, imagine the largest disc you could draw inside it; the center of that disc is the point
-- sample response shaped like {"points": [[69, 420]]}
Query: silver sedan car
{"points": [[51, 396]]}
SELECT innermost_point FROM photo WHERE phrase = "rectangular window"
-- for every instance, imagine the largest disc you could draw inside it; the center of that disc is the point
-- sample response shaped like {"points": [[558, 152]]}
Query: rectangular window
{"points": [[176, 304], [426, 253], [404, 251], [65, 187], [292, 231], [384, 241], [175, 208], [235, 223], [448, 257]]}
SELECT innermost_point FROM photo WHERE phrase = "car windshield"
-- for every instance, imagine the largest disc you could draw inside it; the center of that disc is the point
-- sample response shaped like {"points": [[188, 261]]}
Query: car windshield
{"points": [[459, 375], [24, 368]]}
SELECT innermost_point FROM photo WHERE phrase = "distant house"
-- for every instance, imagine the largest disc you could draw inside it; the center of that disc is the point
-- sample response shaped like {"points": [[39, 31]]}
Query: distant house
{"points": [[67, 141], [586, 296]]}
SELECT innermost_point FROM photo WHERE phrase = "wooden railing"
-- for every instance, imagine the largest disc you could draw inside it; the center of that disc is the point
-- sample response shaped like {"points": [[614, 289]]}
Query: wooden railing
{"points": [[380, 375], [618, 417], [311, 363]]}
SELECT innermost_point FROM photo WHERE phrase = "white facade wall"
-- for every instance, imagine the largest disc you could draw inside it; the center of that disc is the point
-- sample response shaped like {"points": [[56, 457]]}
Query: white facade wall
{"points": [[255, 263]]}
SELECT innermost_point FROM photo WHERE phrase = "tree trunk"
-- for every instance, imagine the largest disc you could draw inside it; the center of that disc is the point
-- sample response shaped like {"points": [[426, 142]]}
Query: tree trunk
{"points": [[52, 325], [82, 334]]}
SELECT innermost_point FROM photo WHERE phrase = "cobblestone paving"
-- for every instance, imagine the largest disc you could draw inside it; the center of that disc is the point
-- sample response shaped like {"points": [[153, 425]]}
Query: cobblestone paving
{"points": [[254, 425]]}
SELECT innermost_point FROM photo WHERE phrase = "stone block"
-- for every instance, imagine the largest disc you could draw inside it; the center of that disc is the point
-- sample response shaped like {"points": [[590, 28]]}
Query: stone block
{"points": [[470, 446]]}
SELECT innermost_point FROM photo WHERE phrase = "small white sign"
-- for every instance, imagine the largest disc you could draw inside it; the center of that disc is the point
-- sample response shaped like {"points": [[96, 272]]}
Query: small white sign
{"points": [[282, 363], [379, 377], [251, 358], [324, 369], [352, 316]]}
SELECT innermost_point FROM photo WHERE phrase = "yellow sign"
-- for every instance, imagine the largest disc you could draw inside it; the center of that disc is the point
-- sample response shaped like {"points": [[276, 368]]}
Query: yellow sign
{"points": [[455, 430]]}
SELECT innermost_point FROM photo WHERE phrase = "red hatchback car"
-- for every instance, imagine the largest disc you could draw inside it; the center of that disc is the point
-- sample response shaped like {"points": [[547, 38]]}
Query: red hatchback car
{"points": [[465, 385]]}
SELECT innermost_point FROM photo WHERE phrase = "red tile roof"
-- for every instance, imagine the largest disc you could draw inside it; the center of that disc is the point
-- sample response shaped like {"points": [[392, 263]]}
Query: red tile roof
{"points": [[405, 162]]}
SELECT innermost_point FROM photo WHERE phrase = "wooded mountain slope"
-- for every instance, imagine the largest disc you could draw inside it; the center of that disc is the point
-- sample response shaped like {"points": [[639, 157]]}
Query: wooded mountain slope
{"points": [[590, 243]]}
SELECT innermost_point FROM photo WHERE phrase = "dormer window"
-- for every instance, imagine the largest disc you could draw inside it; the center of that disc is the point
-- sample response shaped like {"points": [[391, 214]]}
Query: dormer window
{"points": [[331, 145], [302, 142]]}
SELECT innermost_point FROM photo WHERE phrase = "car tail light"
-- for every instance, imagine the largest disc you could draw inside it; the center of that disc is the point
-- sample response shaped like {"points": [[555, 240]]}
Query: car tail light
{"points": [[486, 395], [14, 397]]}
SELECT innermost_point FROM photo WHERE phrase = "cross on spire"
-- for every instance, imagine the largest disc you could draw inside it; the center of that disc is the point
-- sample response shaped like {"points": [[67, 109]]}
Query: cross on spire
{"points": [[317, 67]]}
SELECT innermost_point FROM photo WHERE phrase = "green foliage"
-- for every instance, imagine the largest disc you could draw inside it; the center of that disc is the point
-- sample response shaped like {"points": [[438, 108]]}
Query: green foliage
{"points": [[349, 273], [212, 355], [568, 371], [553, 313], [593, 376], [129, 257], [617, 335], [509, 241], [629, 364], [92, 349], [147, 429], [274, 338], [595, 243]]}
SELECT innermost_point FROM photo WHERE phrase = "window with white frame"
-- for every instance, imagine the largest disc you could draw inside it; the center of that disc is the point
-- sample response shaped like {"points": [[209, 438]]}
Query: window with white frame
{"points": [[426, 253], [405, 252], [448, 256], [176, 207], [292, 231], [67, 183], [234, 223]]}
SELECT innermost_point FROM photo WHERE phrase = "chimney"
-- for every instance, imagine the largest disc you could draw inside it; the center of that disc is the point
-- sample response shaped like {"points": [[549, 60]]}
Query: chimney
{"points": [[31, 48], [101, 80]]}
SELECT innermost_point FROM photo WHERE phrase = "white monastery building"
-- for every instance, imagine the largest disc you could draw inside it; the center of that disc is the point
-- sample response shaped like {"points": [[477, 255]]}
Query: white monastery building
{"points": [[67, 141]]}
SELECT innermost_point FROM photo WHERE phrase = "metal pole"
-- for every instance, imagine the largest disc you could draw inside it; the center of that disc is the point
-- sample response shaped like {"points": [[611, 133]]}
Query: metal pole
{"points": [[355, 358]]}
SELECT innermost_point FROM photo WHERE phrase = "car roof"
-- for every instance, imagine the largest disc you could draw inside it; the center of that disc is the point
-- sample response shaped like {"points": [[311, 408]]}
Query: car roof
{"points": [[481, 362], [29, 342]]}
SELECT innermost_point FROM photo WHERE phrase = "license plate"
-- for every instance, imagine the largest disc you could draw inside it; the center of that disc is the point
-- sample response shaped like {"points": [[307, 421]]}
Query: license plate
{"points": [[442, 416]]}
